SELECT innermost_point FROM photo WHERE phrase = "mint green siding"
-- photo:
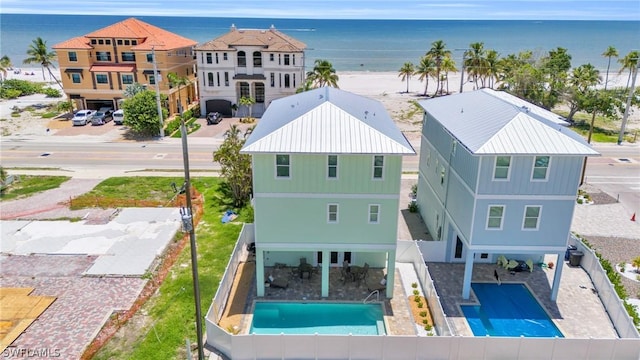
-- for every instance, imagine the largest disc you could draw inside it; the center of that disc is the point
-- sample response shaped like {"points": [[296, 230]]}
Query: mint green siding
{"points": [[308, 174]]}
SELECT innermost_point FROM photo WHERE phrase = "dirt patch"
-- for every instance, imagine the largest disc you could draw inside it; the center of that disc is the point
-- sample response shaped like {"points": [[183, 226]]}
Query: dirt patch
{"points": [[420, 314], [242, 282]]}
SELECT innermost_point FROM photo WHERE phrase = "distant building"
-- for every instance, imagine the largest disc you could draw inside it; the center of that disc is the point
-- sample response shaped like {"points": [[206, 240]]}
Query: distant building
{"points": [[97, 67], [326, 183], [498, 176], [260, 64]]}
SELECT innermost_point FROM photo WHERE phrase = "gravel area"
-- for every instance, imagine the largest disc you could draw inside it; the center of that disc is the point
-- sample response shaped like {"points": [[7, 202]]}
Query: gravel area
{"points": [[618, 250]]}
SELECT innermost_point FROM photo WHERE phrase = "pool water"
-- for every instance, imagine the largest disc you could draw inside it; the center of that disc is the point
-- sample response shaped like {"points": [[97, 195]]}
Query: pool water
{"points": [[320, 318], [508, 310]]}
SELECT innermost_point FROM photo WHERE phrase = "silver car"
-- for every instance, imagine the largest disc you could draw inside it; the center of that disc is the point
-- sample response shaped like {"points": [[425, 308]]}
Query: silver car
{"points": [[101, 118], [82, 117]]}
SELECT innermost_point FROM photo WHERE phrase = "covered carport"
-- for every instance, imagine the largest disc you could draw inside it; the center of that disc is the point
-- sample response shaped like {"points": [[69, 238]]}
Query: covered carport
{"points": [[219, 105]]}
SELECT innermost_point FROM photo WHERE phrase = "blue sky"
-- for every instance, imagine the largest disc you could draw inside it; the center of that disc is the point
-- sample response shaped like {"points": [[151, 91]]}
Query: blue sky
{"points": [[341, 9]]}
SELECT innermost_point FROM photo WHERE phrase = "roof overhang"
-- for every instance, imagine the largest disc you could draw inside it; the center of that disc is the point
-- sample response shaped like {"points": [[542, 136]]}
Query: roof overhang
{"points": [[112, 68]]}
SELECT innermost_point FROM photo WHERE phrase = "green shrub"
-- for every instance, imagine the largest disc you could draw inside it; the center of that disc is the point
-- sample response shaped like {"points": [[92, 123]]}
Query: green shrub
{"points": [[423, 314], [25, 87], [49, 115], [417, 298], [416, 292], [9, 93], [52, 93], [425, 321], [414, 285], [428, 327], [420, 305], [413, 207]]}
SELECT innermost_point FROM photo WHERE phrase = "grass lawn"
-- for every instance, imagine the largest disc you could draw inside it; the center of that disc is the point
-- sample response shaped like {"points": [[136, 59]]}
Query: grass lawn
{"points": [[605, 130], [170, 313], [26, 185]]}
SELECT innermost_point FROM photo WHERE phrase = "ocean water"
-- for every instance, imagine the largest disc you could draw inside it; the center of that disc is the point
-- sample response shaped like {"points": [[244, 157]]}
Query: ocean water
{"points": [[357, 45]]}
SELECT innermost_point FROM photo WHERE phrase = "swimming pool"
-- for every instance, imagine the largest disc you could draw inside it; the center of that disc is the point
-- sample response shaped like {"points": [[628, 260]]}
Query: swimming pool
{"points": [[508, 310], [321, 318]]}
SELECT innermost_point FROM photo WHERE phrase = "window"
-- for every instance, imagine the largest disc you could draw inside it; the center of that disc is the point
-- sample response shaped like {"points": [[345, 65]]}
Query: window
{"points": [[210, 79], [282, 166], [218, 78], [209, 59], [332, 213], [531, 217], [103, 56], [271, 57], [100, 42], [119, 42], [128, 56], [244, 90], [293, 59], [287, 80], [242, 59], [134, 42], [152, 80], [75, 78], [272, 79], [286, 59], [224, 56], [501, 171], [378, 166], [127, 79], [332, 166], [127, 42], [374, 214], [102, 79], [442, 174], [259, 92], [150, 58], [73, 56], [494, 218], [217, 59], [94, 41], [540, 168], [107, 42], [257, 59], [226, 78]]}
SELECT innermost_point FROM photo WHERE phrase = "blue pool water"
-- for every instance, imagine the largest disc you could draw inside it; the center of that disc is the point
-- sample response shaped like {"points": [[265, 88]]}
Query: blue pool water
{"points": [[508, 310], [321, 318]]}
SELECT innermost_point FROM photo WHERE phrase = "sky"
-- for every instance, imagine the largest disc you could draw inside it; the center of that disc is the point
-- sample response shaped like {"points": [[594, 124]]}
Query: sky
{"points": [[341, 9]]}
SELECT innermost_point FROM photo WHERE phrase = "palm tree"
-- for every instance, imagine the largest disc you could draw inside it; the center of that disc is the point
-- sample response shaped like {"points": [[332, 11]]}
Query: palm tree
{"points": [[636, 263], [405, 72], [425, 69], [609, 53], [448, 65], [630, 61], [437, 53], [248, 102], [5, 64], [581, 80], [492, 66], [323, 74], [179, 81], [40, 54], [475, 62]]}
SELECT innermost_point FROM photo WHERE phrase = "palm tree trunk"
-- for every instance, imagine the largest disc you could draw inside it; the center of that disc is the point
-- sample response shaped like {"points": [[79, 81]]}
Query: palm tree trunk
{"points": [[407, 84], [606, 80], [53, 76], [426, 86]]}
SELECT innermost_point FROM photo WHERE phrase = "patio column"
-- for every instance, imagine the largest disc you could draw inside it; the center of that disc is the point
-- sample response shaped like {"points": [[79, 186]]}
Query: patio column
{"points": [[260, 271], [557, 276], [468, 271], [391, 273], [325, 272]]}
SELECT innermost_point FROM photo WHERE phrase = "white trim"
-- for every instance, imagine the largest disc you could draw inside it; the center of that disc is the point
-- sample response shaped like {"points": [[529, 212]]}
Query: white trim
{"points": [[325, 196], [377, 214], [533, 168], [336, 166], [516, 249], [486, 224], [526, 197], [524, 218], [495, 165], [328, 246], [373, 168], [329, 212]]}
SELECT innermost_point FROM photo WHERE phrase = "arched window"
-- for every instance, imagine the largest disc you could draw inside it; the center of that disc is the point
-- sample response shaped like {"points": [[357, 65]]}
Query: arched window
{"points": [[244, 90], [257, 59], [259, 91], [287, 81], [242, 59]]}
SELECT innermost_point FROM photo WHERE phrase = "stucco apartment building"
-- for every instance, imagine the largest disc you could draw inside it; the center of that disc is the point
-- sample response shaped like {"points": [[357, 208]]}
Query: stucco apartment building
{"points": [[97, 67], [260, 64]]}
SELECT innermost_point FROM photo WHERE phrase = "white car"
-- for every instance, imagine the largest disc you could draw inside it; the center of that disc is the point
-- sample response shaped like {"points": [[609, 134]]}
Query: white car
{"points": [[82, 117]]}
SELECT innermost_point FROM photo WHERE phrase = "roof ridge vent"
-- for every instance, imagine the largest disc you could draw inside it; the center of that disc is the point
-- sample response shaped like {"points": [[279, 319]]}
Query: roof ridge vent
{"points": [[233, 27], [525, 108]]}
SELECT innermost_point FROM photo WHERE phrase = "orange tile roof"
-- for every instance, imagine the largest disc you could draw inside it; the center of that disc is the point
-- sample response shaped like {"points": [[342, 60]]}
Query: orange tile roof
{"points": [[114, 68], [147, 34], [271, 39], [79, 42]]}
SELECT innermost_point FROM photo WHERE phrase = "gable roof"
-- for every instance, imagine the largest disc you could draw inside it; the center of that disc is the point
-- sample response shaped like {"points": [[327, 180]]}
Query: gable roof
{"points": [[132, 28], [270, 39], [489, 122], [327, 121]]}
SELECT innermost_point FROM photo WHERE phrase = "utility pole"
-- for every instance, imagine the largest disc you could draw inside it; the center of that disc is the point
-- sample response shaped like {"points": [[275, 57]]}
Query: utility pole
{"points": [[187, 220], [628, 105], [156, 80]]}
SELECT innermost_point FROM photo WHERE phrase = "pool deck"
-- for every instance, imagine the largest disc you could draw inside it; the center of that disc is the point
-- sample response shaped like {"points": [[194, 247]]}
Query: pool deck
{"points": [[578, 311]]}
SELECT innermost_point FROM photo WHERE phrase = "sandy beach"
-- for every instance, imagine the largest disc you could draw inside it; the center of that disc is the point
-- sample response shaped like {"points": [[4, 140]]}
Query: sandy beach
{"points": [[386, 87]]}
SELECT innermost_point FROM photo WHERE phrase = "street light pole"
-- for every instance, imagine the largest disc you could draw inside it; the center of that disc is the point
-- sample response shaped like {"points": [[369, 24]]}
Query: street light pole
{"points": [[628, 105], [187, 219], [156, 81]]}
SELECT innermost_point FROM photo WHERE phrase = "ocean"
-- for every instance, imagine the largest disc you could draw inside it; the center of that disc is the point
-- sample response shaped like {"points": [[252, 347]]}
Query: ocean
{"points": [[357, 45]]}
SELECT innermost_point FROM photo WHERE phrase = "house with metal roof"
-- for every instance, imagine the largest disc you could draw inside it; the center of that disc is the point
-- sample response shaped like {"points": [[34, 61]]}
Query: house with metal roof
{"points": [[261, 64], [498, 179], [97, 67], [326, 182]]}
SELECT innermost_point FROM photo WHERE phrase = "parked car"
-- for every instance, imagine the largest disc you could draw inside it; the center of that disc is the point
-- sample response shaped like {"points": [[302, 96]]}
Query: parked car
{"points": [[101, 118], [118, 117], [213, 118], [82, 117]]}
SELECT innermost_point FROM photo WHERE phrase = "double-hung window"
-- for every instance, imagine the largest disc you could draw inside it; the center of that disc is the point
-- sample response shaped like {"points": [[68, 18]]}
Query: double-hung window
{"points": [[127, 79], [332, 166], [494, 217], [332, 213], [531, 217], [73, 56], [102, 79], [540, 168], [374, 214], [378, 166], [501, 170], [283, 163]]}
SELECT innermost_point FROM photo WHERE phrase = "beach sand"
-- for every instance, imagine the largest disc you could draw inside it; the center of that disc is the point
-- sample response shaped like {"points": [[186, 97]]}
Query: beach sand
{"points": [[386, 87]]}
